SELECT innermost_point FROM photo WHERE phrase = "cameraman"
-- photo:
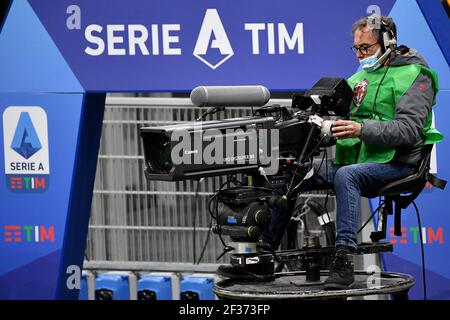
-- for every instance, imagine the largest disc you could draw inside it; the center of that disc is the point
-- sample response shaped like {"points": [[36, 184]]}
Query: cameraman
{"points": [[389, 122]]}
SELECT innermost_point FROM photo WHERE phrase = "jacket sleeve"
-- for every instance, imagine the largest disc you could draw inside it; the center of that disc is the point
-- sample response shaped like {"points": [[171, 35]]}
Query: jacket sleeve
{"points": [[411, 113]]}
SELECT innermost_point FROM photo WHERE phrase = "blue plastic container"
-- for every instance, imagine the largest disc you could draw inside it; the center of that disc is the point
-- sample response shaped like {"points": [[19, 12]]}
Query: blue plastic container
{"points": [[112, 287], [154, 287], [197, 288]]}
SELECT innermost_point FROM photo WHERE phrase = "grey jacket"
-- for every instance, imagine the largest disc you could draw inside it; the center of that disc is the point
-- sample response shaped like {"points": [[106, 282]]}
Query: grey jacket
{"points": [[404, 132]]}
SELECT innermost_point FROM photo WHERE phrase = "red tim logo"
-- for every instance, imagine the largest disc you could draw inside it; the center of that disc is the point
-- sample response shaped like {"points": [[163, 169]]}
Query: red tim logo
{"points": [[16, 183], [413, 235], [13, 234], [29, 234], [27, 183]]}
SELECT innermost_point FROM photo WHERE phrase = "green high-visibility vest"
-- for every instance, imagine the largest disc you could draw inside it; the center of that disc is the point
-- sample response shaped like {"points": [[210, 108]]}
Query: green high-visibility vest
{"points": [[397, 80]]}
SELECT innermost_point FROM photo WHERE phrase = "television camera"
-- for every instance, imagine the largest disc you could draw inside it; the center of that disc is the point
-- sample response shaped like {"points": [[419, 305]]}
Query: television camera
{"points": [[270, 150]]}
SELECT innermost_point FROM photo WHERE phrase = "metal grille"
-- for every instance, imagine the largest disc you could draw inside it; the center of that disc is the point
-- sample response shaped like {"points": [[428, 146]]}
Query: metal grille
{"points": [[133, 219], [136, 220]]}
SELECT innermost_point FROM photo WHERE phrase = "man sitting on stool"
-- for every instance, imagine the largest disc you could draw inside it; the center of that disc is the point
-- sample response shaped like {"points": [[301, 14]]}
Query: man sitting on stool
{"points": [[390, 121]]}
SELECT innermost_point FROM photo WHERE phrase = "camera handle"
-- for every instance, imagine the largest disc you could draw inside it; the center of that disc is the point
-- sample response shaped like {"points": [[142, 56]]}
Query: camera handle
{"points": [[212, 110], [314, 131]]}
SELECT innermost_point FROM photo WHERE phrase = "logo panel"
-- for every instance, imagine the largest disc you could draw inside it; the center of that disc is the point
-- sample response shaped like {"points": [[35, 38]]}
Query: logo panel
{"points": [[25, 134]]}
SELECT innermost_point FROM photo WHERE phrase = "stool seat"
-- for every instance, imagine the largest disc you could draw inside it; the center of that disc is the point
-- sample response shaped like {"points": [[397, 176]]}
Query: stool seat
{"points": [[412, 183], [403, 192]]}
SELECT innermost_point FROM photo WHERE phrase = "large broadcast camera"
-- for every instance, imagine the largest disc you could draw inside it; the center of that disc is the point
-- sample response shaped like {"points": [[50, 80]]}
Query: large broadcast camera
{"points": [[269, 150], [329, 96]]}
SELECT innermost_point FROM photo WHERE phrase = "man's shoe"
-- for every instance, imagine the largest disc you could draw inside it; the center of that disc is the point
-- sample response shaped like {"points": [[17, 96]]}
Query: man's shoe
{"points": [[341, 271]]}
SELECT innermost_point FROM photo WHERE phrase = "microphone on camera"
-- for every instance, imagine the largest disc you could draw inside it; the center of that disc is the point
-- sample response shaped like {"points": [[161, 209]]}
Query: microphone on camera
{"points": [[230, 96]]}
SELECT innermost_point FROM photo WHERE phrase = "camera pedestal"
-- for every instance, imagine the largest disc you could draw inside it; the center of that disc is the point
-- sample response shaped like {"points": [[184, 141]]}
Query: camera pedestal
{"points": [[294, 286], [309, 282]]}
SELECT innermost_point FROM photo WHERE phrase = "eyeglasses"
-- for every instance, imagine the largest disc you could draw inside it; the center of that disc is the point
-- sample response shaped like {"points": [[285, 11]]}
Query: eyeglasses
{"points": [[364, 49]]}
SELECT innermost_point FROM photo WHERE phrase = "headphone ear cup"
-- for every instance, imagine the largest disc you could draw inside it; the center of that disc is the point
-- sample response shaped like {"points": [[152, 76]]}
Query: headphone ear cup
{"points": [[387, 38], [384, 37], [380, 39], [386, 41], [393, 41]]}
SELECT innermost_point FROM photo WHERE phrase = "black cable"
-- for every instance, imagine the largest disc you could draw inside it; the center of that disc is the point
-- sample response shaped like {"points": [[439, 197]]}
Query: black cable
{"points": [[368, 220], [205, 244], [326, 179], [194, 218], [305, 188], [290, 190], [214, 196], [309, 179], [209, 206], [212, 217], [272, 187], [277, 109], [257, 188], [217, 216], [317, 146], [300, 161], [210, 111], [329, 228], [422, 251], [311, 166], [378, 89]]}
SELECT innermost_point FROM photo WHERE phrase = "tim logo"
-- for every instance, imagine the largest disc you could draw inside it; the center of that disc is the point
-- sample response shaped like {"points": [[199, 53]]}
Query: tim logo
{"points": [[25, 135], [29, 234], [412, 236]]}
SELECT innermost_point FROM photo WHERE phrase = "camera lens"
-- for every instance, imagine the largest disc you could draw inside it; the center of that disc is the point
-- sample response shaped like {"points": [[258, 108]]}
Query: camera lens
{"points": [[159, 158]]}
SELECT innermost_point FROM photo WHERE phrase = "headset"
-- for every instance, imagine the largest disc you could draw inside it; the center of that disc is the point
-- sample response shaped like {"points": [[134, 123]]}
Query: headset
{"points": [[388, 44], [387, 38]]}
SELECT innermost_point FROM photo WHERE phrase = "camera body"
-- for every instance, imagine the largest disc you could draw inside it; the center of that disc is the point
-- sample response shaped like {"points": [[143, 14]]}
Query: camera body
{"points": [[207, 148]]}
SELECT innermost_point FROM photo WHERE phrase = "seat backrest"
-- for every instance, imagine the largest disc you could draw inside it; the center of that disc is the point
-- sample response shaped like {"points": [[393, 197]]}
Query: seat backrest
{"points": [[424, 166]]}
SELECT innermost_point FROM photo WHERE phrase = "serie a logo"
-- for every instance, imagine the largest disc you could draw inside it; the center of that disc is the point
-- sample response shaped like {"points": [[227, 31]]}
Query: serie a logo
{"points": [[26, 153]]}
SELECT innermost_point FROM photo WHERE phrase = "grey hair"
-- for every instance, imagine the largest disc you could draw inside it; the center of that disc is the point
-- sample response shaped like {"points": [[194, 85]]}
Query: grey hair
{"points": [[371, 22]]}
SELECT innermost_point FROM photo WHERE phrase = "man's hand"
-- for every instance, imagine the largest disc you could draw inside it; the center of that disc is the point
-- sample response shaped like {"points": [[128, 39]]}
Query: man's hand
{"points": [[343, 129]]}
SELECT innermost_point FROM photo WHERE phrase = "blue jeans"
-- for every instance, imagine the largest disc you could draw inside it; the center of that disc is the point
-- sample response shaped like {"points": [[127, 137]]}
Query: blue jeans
{"points": [[350, 183]]}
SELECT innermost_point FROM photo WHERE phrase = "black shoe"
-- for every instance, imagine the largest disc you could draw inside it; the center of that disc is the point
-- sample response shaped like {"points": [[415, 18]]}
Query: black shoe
{"points": [[260, 272], [341, 271]]}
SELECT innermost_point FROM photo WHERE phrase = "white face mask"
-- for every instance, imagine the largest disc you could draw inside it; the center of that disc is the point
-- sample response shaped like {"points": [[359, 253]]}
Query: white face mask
{"points": [[371, 63]]}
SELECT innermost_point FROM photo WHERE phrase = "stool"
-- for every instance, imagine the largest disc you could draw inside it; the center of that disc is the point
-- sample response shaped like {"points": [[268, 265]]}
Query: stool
{"points": [[403, 192]]}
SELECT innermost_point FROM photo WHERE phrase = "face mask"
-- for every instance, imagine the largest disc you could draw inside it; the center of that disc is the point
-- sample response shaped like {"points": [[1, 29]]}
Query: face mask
{"points": [[370, 64]]}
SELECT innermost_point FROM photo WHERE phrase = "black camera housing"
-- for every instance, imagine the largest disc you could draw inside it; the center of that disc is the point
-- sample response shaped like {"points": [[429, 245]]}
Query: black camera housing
{"points": [[158, 147]]}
